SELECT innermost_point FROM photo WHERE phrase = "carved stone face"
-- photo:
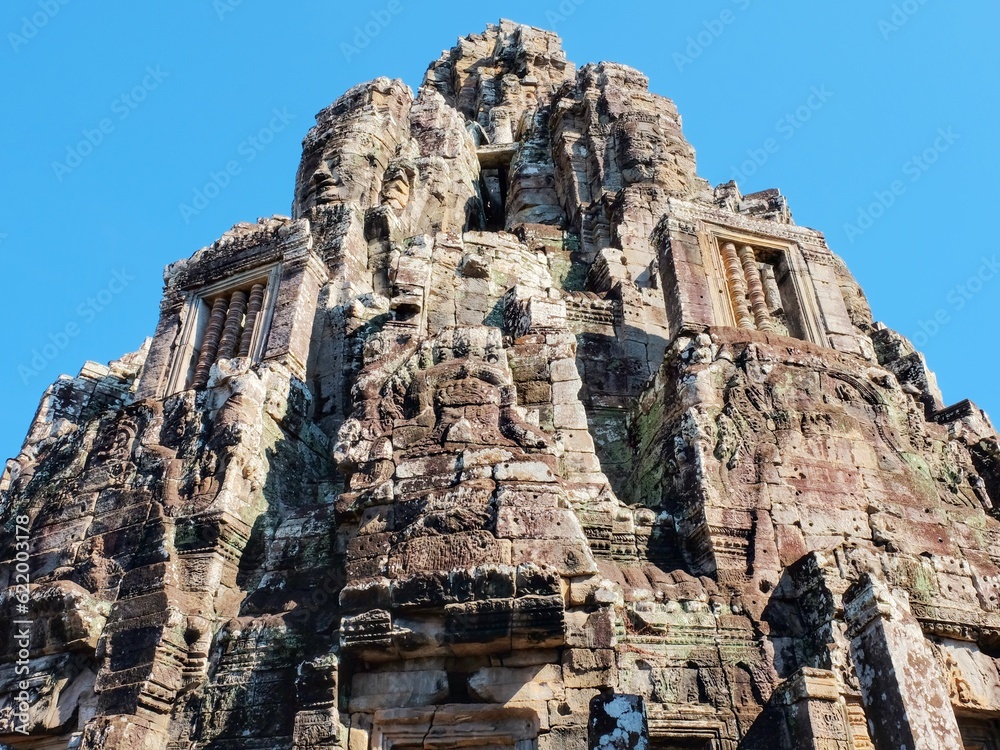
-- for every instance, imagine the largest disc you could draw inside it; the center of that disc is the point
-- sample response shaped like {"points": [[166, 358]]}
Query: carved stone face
{"points": [[396, 188], [510, 89], [468, 411], [327, 184], [638, 145]]}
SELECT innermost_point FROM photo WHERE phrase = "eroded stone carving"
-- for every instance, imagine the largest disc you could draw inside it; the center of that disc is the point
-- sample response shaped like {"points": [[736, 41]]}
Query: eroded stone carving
{"points": [[518, 435]]}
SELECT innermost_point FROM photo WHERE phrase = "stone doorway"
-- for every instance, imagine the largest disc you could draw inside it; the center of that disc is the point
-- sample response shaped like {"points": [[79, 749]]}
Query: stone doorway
{"points": [[450, 727], [679, 743], [979, 734]]}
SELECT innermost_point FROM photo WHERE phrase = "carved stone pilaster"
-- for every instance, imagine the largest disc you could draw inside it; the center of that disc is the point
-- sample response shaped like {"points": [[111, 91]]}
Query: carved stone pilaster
{"points": [[814, 710], [905, 694]]}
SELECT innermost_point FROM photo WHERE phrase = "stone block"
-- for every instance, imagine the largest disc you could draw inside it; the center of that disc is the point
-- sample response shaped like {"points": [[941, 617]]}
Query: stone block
{"points": [[590, 630], [521, 685], [564, 370], [587, 668], [569, 416], [568, 558], [566, 392], [380, 690], [527, 523]]}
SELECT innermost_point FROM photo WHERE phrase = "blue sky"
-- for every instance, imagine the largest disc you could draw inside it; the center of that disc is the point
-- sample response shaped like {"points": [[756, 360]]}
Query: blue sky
{"points": [[877, 119]]}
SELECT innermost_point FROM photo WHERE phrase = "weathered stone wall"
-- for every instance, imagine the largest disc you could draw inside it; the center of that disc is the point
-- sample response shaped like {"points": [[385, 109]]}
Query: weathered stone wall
{"points": [[517, 435]]}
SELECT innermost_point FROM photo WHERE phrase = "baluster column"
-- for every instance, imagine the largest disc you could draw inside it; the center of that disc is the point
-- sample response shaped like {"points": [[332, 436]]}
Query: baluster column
{"points": [[254, 306], [771, 291], [755, 289], [234, 326], [737, 286], [210, 345]]}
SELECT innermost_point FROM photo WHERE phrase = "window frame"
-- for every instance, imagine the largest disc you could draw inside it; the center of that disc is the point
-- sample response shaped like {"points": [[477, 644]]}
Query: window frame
{"points": [[790, 253], [196, 313]]}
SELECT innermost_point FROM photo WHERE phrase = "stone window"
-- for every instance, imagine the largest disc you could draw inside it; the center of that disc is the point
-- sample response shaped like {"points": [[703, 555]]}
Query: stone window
{"points": [[979, 734], [494, 182], [760, 291], [223, 321], [755, 276]]}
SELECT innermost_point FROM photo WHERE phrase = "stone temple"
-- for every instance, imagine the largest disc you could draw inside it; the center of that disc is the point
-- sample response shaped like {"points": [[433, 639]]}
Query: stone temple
{"points": [[517, 434]]}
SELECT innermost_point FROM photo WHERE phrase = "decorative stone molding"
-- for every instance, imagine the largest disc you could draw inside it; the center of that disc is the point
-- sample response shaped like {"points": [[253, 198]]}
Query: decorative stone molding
{"points": [[454, 726], [251, 295]]}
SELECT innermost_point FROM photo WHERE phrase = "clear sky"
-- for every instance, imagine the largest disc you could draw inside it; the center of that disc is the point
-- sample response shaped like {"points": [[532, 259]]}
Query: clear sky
{"points": [[878, 120]]}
